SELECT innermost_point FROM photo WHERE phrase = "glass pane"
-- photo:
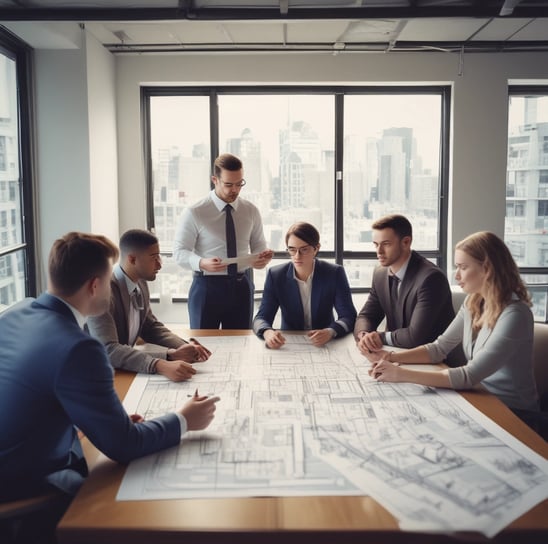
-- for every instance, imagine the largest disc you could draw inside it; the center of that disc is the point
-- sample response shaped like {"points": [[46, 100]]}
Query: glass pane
{"points": [[12, 278], [11, 231], [180, 154], [286, 143], [391, 165], [526, 225]]}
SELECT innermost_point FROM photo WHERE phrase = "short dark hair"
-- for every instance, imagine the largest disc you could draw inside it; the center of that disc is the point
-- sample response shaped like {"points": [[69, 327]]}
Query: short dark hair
{"points": [[399, 223], [78, 257], [226, 161], [136, 240], [305, 231]]}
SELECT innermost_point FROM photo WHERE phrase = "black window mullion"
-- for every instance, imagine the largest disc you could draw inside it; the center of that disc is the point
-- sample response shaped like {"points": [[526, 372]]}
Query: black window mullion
{"points": [[213, 128], [339, 177], [444, 177], [147, 153]]}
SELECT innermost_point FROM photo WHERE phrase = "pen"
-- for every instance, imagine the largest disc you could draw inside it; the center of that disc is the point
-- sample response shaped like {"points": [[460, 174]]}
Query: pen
{"points": [[195, 341], [195, 393]]}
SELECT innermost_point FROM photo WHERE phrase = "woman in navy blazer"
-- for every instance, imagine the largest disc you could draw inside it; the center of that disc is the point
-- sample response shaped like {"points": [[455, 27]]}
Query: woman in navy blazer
{"points": [[307, 290]]}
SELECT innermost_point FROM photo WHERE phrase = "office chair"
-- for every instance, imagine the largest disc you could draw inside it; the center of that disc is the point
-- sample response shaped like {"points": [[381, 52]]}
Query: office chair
{"points": [[18, 519]]}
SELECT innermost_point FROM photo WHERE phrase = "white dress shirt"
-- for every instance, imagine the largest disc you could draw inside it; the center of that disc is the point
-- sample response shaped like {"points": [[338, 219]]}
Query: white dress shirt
{"points": [[305, 290], [201, 231]]}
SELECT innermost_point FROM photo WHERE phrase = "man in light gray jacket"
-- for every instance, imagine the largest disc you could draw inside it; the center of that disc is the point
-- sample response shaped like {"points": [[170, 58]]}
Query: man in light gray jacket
{"points": [[130, 317]]}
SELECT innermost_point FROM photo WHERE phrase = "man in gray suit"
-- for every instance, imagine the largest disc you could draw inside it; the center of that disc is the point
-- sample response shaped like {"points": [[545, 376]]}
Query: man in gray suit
{"points": [[411, 292], [130, 317]]}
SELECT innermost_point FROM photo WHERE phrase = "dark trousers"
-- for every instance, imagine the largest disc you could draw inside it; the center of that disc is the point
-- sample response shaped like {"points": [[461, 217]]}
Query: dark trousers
{"points": [[221, 301]]}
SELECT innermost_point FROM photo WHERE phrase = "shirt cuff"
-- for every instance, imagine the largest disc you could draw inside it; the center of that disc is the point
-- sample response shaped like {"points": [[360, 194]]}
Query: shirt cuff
{"points": [[388, 338], [182, 422]]}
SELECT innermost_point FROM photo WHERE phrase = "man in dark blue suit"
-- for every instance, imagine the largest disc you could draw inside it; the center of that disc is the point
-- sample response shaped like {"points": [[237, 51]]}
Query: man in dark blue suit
{"points": [[55, 378]]}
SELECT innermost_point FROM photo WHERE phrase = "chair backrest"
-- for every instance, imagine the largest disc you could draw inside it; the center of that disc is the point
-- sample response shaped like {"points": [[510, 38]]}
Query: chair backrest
{"points": [[22, 507], [540, 362], [457, 297]]}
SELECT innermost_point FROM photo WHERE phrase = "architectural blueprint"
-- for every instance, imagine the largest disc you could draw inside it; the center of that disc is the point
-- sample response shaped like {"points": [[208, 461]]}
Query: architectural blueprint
{"points": [[303, 420]]}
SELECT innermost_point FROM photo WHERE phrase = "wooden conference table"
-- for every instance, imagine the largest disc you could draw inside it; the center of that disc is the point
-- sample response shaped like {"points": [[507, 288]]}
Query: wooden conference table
{"points": [[96, 517]]}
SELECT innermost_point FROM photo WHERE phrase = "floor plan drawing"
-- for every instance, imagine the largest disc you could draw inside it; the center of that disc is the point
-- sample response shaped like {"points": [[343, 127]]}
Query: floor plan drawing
{"points": [[294, 422]]}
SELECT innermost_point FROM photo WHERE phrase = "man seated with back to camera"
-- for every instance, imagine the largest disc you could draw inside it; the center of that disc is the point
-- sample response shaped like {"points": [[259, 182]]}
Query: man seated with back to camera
{"points": [[55, 378]]}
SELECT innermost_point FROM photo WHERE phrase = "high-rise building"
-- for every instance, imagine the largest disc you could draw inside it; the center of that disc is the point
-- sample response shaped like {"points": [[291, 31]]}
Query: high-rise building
{"points": [[526, 227]]}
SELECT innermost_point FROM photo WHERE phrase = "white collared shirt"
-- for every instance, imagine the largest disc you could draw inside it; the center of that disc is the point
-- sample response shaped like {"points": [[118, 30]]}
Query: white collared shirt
{"points": [[201, 232], [305, 290]]}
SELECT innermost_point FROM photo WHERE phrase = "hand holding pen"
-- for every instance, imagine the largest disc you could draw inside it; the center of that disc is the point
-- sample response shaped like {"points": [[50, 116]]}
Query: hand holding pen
{"points": [[199, 411]]}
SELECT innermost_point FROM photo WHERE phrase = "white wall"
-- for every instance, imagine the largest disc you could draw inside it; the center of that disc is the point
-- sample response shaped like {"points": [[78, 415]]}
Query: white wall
{"points": [[62, 146], [479, 111], [77, 183], [101, 77]]}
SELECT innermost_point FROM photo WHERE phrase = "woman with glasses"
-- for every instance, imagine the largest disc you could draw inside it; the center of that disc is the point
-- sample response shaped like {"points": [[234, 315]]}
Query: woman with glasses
{"points": [[307, 290]]}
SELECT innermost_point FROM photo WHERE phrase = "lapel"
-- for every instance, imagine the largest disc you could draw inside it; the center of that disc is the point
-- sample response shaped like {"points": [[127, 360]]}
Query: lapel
{"points": [[317, 288], [119, 288], [408, 279], [483, 335]]}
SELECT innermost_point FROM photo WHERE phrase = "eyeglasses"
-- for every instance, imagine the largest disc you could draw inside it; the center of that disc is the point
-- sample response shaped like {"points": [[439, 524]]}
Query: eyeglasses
{"points": [[304, 250], [238, 185]]}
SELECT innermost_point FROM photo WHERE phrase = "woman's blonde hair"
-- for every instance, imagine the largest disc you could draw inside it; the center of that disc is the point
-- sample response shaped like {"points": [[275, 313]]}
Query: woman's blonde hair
{"points": [[502, 278]]}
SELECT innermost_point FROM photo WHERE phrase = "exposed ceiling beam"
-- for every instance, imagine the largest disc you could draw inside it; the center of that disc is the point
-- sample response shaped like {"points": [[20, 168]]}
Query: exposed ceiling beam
{"points": [[508, 7], [187, 10]]}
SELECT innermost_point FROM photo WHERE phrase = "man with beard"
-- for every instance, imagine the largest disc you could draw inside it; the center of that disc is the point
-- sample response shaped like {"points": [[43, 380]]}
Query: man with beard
{"points": [[130, 317]]}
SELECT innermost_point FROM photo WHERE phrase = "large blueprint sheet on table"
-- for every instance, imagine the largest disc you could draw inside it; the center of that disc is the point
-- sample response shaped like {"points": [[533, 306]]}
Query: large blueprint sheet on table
{"points": [[311, 421]]}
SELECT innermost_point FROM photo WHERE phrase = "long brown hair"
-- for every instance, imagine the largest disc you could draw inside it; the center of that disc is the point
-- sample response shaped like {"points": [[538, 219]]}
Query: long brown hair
{"points": [[502, 278]]}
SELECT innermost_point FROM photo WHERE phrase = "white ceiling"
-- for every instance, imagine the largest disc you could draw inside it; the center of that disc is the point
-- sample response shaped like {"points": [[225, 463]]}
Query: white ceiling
{"points": [[282, 25]]}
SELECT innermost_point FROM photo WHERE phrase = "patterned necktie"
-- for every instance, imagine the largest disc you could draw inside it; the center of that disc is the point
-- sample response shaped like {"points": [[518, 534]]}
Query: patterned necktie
{"points": [[230, 239], [134, 318]]}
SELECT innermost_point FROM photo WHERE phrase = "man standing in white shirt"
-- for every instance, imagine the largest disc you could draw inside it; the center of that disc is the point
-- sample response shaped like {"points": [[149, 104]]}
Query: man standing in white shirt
{"points": [[218, 227]]}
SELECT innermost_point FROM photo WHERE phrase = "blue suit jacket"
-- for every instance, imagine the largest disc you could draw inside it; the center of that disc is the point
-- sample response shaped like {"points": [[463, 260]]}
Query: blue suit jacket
{"points": [[330, 290], [53, 378]]}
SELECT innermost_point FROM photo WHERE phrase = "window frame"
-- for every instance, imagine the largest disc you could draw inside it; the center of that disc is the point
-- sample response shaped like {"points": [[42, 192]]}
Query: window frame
{"points": [[21, 54], [339, 254], [531, 90]]}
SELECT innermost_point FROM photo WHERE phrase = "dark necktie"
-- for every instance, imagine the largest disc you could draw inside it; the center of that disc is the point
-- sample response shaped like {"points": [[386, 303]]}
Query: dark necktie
{"points": [[393, 283], [230, 239]]}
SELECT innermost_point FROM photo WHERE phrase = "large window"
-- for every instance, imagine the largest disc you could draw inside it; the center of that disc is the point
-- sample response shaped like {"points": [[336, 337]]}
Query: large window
{"points": [[526, 224], [16, 247], [337, 158]]}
